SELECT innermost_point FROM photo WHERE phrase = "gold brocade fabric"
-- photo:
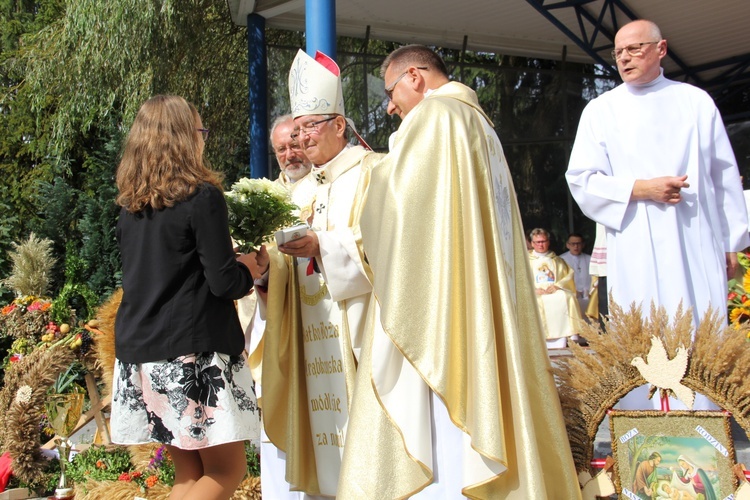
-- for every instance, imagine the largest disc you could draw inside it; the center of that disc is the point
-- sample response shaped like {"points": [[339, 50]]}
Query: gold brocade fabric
{"points": [[280, 357], [284, 403], [560, 311], [456, 309]]}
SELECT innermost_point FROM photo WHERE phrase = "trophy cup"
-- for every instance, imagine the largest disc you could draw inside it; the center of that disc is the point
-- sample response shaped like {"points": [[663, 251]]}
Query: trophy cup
{"points": [[63, 412]]}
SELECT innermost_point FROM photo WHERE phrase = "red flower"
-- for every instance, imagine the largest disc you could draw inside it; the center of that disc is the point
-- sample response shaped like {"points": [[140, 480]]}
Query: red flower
{"points": [[731, 295], [124, 477], [743, 299], [15, 357], [136, 474]]}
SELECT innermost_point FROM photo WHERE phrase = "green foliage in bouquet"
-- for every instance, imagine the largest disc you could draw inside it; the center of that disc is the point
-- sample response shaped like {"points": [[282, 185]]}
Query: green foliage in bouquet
{"points": [[257, 209]]}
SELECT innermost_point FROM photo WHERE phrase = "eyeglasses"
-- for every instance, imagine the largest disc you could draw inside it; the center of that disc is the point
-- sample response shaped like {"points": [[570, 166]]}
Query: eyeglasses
{"points": [[633, 50], [294, 147], [309, 128], [539, 242], [389, 88], [203, 131], [575, 243]]}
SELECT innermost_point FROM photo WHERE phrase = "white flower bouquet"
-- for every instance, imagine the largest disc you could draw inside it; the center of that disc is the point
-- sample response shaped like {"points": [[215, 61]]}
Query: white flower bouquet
{"points": [[258, 208]]}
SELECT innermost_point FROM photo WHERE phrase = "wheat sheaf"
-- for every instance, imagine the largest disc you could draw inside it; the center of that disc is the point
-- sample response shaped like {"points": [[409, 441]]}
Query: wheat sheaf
{"points": [[596, 377]]}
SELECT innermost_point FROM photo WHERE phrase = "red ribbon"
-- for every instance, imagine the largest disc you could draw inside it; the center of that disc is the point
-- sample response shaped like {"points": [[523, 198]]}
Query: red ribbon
{"points": [[665, 403], [598, 463], [311, 266]]}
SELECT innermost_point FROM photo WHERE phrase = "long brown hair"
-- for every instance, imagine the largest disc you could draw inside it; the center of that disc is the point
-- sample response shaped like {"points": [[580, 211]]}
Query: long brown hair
{"points": [[162, 161]]}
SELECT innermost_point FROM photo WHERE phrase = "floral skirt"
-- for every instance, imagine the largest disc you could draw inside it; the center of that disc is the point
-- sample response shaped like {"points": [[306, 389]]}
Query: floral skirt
{"points": [[190, 402]]}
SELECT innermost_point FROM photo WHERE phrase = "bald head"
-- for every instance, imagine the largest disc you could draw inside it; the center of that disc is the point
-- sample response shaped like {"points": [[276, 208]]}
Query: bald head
{"points": [[639, 49]]}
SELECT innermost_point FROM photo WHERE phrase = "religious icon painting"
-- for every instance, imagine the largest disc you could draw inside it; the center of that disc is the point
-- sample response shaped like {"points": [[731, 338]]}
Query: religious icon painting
{"points": [[674, 455]]}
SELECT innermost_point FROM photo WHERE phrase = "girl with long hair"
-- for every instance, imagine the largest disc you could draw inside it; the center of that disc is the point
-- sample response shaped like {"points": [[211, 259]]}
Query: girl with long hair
{"points": [[180, 377]]}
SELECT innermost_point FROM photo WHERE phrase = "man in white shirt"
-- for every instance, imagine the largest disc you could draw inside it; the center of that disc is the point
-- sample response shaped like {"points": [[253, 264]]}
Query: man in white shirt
{"points": [[579, 262], [653, 164]]}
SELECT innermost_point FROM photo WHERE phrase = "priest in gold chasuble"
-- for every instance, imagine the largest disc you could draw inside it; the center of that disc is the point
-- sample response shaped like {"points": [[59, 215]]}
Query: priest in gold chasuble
{"points": [[454, 392], [555, 292]]}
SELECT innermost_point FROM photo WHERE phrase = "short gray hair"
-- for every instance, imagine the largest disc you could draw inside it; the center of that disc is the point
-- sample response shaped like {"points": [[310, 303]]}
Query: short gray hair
{"points": [[278, 121]]}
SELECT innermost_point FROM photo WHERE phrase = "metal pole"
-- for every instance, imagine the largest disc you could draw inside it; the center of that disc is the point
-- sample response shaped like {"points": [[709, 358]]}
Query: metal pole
{"points": [[320, 27], [257, 95], [566, 131]]}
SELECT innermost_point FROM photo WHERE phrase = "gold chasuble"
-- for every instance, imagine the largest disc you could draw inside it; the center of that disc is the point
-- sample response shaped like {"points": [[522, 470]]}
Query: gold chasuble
{"points": [[560, 312], [455, 315], [314, 324]]}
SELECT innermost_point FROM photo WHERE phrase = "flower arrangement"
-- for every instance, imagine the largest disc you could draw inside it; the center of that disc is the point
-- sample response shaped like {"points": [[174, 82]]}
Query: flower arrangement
{"points": [[49, 352], [738, 298], [25, 317], [258, 208]]}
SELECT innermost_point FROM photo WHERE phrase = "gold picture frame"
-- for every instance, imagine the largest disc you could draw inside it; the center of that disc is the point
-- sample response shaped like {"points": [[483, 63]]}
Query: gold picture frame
{"points": [[672, 455]]}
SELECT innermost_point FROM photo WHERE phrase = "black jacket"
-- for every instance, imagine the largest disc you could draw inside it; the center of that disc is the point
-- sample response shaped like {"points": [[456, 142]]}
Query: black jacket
{"points": [[180, 277]]}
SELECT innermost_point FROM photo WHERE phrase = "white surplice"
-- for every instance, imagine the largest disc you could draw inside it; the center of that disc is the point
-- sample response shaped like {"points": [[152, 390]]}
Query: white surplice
{"points": [[656, 251]]}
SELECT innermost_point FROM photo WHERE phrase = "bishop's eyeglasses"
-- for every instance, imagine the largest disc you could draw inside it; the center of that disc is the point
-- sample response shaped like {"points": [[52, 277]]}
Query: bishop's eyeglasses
{"points": [[312, 127]]}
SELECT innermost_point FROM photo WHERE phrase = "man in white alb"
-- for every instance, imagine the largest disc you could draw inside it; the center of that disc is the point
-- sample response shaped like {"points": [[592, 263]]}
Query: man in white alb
{"points": [[653, 164], [579, 262]]}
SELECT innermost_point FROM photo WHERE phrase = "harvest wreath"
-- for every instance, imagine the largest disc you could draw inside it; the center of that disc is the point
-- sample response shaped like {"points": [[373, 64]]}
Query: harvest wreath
{"points": [[593, 379]]}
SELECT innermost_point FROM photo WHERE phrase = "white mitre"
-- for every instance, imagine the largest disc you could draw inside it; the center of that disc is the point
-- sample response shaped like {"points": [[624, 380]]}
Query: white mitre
{"points": [[315, 86]]}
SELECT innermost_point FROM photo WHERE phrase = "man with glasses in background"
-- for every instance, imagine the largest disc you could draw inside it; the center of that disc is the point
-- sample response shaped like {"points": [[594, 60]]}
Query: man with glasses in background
{"points": [[579, 262], [454, 394], [292, 161], [294, 175], [652, 162], [555, 292], [318, 291]]}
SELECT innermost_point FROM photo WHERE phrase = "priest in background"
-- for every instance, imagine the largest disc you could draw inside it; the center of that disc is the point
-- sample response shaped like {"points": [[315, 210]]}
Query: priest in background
{"points": [[555, 289]]}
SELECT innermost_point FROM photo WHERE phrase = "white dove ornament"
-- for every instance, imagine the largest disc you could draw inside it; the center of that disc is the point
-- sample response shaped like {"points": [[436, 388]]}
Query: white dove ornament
{"points": [[665, 373]]}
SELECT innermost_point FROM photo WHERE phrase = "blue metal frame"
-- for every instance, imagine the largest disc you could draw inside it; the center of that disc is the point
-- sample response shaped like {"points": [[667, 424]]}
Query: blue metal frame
{"points": [[320, 27], [257, 67], [596, 33]]}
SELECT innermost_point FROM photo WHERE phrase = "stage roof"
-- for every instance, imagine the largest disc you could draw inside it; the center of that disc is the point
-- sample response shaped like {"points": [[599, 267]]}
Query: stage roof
{"points": [[709, 42]]}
